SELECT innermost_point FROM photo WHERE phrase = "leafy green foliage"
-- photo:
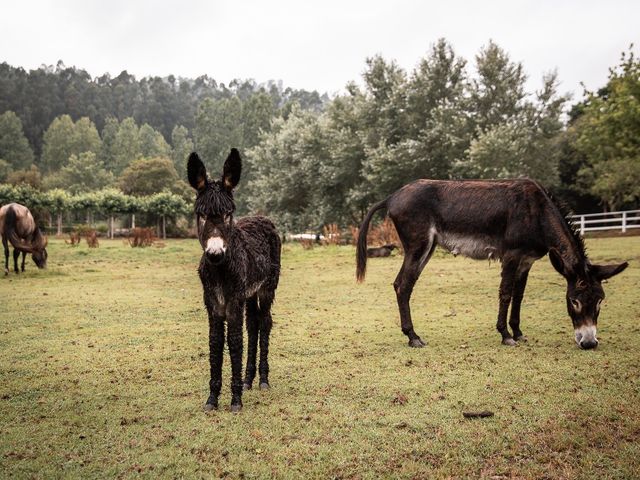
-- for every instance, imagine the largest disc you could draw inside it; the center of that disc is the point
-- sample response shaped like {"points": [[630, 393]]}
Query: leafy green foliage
{"points": [[607, 134], [146, 176], [82, 173], [14, 147]]}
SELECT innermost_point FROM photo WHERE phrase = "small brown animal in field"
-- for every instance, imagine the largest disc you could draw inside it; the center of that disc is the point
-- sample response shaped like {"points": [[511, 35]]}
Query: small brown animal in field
{"points": [[92, 239], [383, 251], [74, 239]]}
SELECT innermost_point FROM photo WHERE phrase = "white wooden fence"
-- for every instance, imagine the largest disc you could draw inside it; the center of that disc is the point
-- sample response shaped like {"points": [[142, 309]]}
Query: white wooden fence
{"points": [[592, 222]]}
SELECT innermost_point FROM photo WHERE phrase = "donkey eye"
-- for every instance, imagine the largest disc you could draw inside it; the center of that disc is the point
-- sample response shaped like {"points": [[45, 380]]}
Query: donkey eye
{"points": [[576, 304]]}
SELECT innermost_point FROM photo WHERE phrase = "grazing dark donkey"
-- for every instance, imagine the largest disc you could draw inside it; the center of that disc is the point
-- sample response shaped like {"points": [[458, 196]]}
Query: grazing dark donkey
{"points": [[515, 221], [239, 270], [18, 227]]}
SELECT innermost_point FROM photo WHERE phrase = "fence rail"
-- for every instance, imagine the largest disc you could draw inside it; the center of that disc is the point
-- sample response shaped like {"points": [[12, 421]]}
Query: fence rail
{"points": [[593, 222]]}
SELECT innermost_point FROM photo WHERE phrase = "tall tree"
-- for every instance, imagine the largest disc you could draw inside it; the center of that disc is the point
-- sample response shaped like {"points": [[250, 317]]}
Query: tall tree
{"points": [[608, 135], [218, 129], [182, 147], [126, 146], [14, 147], [59, 143]]}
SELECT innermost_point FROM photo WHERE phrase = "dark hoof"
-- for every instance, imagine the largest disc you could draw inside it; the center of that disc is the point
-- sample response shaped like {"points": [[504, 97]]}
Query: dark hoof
{"points": [[521, 338], [208, 407], [236, 408], [246, 386], [509, 341], [417, 343], [264, 386]]}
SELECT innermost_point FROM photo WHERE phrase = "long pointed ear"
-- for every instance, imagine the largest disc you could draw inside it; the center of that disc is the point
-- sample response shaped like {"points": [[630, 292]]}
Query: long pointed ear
{"points": [[232, 170], [558, 263], [602, 272], [196, 172]]}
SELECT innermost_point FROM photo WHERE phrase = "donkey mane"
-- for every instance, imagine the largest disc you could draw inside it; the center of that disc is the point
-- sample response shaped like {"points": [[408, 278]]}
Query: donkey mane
{"points": [[565, 211], [215, 198]]}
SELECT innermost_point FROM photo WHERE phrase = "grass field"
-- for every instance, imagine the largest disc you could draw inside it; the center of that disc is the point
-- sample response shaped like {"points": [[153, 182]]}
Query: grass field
{"points": [[104, 372]]}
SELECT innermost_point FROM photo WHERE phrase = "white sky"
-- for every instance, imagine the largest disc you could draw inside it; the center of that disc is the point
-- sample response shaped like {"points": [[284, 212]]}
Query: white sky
{"points": [[314, 44]]}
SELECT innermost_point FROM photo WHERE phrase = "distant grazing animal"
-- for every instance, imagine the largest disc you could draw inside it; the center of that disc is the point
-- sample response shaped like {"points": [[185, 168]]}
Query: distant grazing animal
{"points": [[18, 228], [239, 271], [383, 251], [515, 221]]}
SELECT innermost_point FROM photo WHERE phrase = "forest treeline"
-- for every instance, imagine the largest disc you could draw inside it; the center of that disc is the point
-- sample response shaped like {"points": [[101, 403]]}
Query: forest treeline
{"points": [[310, 159]]}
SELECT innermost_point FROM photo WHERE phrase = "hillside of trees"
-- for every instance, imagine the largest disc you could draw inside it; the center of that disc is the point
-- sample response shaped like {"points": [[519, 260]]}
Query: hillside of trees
{"points": [[310, 159]]}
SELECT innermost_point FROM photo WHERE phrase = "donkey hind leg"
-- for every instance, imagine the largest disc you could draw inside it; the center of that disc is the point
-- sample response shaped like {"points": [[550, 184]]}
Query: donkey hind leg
{"points": [[216, 350], [5, 244], [16, 255], [414, 262], [235, 311], [509, 273], [516, 300], [266, 300], [252, 347], [24, 255]]}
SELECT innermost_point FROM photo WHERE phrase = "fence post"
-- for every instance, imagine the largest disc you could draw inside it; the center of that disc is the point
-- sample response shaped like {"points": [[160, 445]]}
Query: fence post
{"points": [[581, 224], [624, 222]]}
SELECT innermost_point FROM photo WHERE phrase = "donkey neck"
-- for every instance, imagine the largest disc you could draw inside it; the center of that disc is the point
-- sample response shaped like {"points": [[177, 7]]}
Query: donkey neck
{"points": [[561, 236]]}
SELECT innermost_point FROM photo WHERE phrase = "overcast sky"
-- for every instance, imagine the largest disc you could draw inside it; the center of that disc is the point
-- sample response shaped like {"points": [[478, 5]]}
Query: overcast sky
{"points": [[314, 44]]}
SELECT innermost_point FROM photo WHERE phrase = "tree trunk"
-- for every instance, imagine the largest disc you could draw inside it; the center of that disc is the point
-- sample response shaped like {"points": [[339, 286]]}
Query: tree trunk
{"points": [[59, 231], [133, 220], [164, 227], [111, 227], [89, 217]]}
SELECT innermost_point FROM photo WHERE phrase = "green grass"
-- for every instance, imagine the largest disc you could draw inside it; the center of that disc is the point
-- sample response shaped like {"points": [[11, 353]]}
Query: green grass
{"points": [[104, 371]]}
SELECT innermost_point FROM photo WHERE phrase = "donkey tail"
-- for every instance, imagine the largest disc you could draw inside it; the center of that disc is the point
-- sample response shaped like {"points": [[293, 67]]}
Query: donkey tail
{"points": [[361, 249]]}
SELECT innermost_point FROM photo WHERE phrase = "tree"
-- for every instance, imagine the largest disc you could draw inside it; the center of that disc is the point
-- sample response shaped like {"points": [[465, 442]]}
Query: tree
{"points": [[218, 129], [182, 147], [82, 173], [166, 204], [59, 143], [57, 201], [14, 147], [152, 143], [126, 146], [64, 138], [146, 176], [107, 152], [608, 135], [112, 202], [30, 176]]}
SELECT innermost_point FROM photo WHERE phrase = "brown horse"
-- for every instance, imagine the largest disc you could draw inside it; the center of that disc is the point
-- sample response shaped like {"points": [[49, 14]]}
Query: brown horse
{"points": [[514, 221], [18, 227]]}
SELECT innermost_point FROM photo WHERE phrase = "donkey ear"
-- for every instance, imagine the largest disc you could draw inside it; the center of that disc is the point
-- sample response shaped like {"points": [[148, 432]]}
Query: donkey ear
{"points": [[196, 172], [602, 272], [232, 170], [557, 262]]}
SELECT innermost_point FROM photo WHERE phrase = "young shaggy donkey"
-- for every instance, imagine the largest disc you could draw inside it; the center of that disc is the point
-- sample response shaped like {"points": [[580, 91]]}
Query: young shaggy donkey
{"points": [[515, 221], [18, 227], [239, 270]]}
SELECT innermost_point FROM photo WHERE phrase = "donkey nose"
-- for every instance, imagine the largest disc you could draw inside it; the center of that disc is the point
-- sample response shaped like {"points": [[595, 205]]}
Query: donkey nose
{"points": [[215, 258], [588, 344]]}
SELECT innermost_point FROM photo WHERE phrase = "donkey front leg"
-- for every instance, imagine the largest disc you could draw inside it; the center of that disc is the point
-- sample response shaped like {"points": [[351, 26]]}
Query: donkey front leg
{"points": [[24, 254], [509, 268], [216, 347], [234, 340]]}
